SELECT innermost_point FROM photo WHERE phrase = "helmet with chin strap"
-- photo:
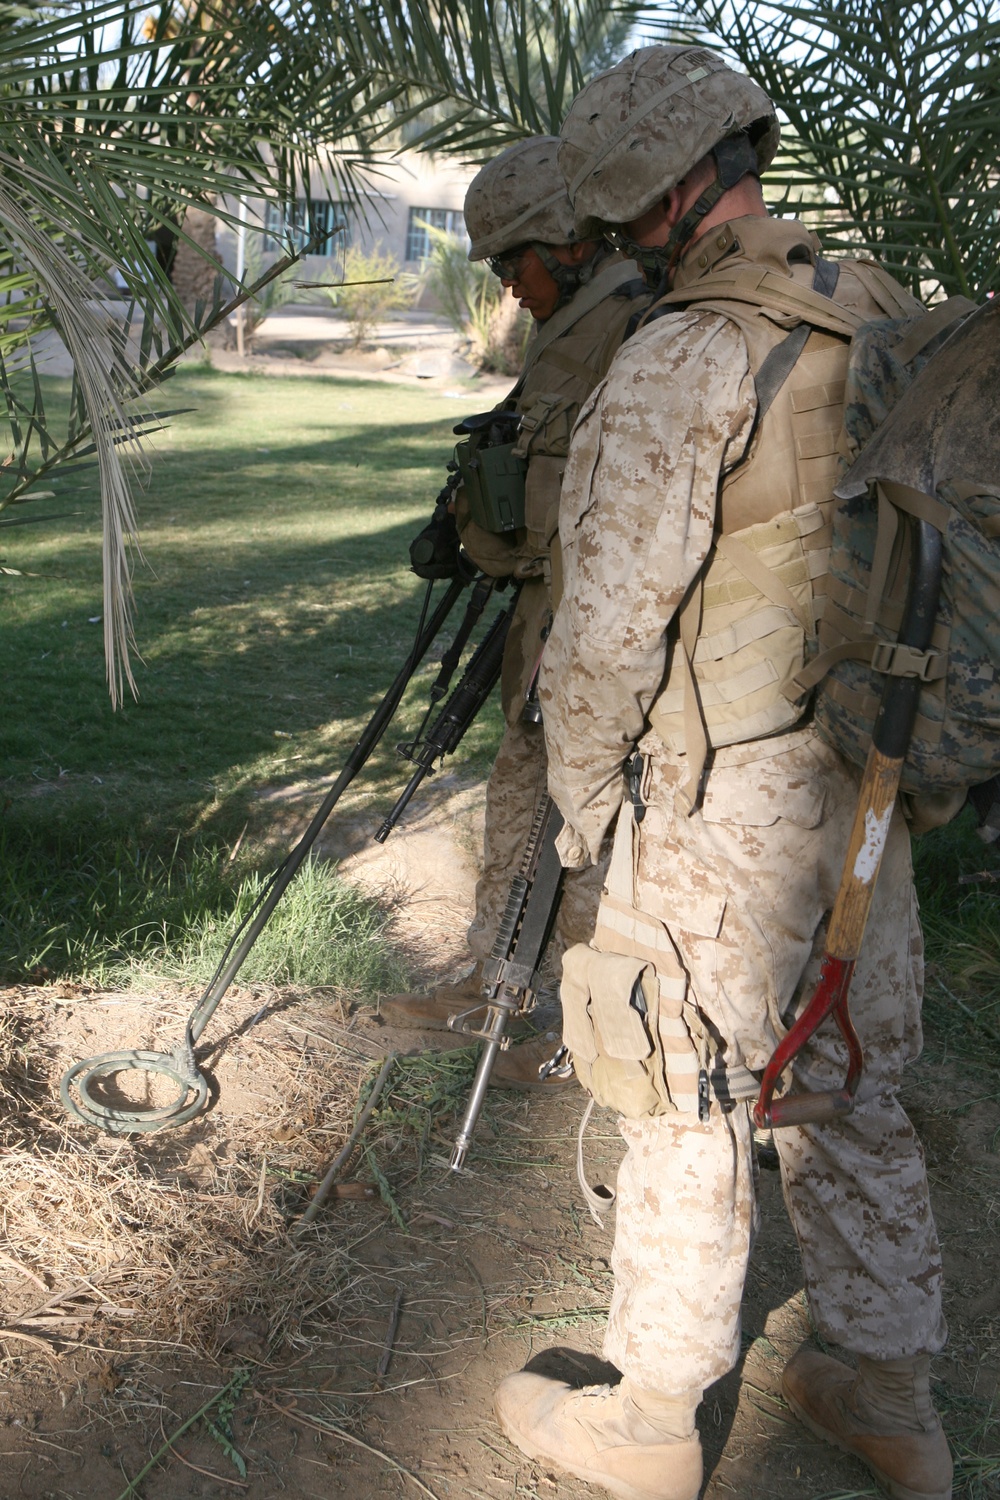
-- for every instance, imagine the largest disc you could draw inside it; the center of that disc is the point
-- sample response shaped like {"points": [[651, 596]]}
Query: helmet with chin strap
{"points": [[635, 132], [519, 199]]}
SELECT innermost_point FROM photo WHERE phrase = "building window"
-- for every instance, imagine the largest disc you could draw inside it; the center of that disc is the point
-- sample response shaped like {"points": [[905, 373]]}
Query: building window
{"points": [[418, 241], [305, 219]]}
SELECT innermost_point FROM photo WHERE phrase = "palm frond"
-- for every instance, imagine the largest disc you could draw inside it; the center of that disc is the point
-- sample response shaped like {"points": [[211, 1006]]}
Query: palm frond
{"points": [[114, 119], [891, 123], [468, 76], [107, 386]]}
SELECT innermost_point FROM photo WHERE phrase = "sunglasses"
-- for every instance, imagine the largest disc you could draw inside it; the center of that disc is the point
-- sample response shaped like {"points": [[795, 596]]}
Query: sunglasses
{"points": [[507, 265]]}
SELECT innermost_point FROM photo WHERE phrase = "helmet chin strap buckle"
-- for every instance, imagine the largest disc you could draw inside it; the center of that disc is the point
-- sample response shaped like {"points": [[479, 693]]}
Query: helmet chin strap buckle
{"points": [[735, 157]]}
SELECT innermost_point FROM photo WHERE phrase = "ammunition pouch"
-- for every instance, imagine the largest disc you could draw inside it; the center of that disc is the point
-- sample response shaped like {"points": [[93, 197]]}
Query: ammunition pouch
{"points": [[492, 473], [610, 1014]]}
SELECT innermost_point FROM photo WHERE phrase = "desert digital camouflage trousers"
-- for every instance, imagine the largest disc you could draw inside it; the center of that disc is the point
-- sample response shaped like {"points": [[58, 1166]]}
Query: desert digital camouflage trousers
{"points": [[744, 888]]}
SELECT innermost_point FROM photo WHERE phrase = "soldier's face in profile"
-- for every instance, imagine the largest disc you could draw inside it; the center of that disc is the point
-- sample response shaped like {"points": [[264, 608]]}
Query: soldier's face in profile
{"points": [[531, 284]]}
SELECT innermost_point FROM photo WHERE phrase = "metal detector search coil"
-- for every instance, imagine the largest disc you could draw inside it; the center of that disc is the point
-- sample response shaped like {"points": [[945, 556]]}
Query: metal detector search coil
{"points": [[179, 1066]]}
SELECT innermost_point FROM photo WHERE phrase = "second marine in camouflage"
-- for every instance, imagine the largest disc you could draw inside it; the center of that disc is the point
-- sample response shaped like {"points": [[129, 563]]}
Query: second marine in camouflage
{"points": [[582, 295]]}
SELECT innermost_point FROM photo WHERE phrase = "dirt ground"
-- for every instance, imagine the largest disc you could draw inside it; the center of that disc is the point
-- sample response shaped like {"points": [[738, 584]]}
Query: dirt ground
{"points": [[141, 1277]]}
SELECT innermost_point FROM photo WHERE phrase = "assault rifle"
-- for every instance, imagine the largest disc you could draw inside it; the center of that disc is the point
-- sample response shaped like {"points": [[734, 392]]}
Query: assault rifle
{"points": [[511, 973]]}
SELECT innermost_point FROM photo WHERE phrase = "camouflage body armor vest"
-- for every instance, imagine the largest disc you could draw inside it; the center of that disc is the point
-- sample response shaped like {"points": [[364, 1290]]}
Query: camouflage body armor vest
{"points": [[748, 624]]}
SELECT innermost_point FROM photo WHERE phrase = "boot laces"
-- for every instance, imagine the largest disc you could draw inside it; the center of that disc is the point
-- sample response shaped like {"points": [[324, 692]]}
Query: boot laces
{"points": [[597, 1391]]}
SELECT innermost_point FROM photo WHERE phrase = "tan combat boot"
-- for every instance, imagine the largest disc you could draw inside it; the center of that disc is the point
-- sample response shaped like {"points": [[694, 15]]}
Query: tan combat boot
{"points": [[882, 1413], [606, 1435], [429, 1011], [518, 1067]]}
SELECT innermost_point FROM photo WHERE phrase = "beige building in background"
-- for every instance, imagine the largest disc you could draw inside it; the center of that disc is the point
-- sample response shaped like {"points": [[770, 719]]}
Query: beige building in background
{"points": [[395, 202]]}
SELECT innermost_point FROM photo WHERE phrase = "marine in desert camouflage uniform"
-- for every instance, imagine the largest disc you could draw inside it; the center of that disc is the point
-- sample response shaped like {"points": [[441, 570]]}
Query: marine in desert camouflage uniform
{"points": [[684, 499], [582, 295]]}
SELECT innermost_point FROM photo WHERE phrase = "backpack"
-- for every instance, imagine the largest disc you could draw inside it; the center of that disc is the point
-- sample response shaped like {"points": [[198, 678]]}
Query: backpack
{"points": [[920, 410], [922, 416]]}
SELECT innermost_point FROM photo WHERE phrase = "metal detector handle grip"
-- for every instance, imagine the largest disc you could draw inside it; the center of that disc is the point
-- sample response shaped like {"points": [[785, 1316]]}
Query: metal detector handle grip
{"points": [[876, 799]]}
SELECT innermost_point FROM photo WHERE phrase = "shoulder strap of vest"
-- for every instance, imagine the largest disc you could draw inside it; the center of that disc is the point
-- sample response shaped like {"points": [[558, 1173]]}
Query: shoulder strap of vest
{"points": [[766, 289], [608, 280]]}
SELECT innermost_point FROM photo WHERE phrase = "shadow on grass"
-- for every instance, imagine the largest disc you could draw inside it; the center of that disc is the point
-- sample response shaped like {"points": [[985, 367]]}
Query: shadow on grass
{"points": [[280, 611]]}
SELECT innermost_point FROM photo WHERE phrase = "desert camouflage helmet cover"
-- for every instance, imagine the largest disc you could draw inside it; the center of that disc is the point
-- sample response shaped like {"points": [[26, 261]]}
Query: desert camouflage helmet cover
{"points": [[634, 131], [518, 197]]}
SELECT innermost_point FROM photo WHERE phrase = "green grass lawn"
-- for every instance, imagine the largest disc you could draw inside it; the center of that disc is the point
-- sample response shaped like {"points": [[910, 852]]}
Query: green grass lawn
{"points": [[275, 609]]}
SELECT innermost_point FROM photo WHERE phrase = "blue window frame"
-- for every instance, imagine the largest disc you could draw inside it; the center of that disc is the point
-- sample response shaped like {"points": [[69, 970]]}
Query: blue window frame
{"points": [[305, 219], [418, 241]]}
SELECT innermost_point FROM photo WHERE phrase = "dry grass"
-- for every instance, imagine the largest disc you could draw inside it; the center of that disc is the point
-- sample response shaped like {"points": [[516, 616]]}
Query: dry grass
{"points": [[182, 1238]]}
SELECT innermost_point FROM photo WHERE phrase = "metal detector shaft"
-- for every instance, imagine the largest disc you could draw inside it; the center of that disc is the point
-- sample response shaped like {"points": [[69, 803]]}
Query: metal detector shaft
{"points": [[358, 757], [180, 1065]]}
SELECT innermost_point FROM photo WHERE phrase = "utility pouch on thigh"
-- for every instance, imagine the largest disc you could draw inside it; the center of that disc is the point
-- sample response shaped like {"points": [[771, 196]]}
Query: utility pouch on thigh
{"points": [[610, 1011], [638, 1044]]}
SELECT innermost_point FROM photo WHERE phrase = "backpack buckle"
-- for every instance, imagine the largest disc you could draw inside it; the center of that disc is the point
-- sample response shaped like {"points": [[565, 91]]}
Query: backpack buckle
{"points": [[893, 659]]}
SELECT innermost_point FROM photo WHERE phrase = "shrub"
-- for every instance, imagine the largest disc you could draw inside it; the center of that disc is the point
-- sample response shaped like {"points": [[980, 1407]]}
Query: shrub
{"points": [[476, 305], [373, 285]]}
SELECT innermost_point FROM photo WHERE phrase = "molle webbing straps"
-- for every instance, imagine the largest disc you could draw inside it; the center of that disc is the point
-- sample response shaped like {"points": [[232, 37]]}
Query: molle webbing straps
{"points": [[764, 579], [681, 81], [769, 378], [770, 290]]}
